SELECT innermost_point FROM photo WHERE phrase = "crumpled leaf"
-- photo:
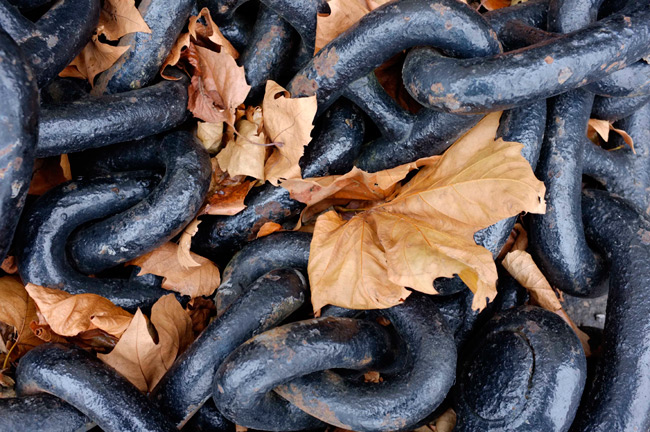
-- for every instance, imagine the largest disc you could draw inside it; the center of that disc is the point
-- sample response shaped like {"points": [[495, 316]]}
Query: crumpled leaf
{"points": [[193, 281], [209, 35], [120, 17], [522, 267], [210, 135], [94, 59], [18, 310], [355, 186], [69, 315], [343, 15], [227, 193], [200, 310], [288, 123], [218, 85], [138, 357], [602, 128], [425, 230], [245, 154], [48, 173]]}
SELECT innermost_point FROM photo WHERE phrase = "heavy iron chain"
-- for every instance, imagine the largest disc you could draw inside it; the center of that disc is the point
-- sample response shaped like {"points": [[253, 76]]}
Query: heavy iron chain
{"points": [[263, 362]]}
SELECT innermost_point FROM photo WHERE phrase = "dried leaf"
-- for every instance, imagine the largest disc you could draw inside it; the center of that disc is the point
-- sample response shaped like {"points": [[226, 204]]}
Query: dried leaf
{"points": [[185, 242], [47, 174], [373, 377], [425, 230], [229, 200], [218, 85], [69, 315], [44, 332], [94, 59], [522, 267], [193, 282], [602, 128], [18, 310], [202, 33], [120, 17], [446, 422], [138, 357], [210, 135], [288, 123], [9, 265], [65, 167], [200, 310], [245, 154], [343, 15], [268, 228], [495, 4], [174, 55]]}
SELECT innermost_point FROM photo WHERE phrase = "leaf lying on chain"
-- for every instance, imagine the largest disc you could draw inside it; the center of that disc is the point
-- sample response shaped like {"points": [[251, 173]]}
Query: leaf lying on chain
{"points": [[495, 4], [268, 228], [47, 173], [210, 135], [208, 34], [522, 267], [343, 15], [69, 315], [218, 85], [245, 154], [185, 242], [138, 357], [120, 17], [94, 59], [227, 193], [193, 281], [9, 265], [288, 123], [602, 128], [18, 310], [425, 230], [355, 187]]}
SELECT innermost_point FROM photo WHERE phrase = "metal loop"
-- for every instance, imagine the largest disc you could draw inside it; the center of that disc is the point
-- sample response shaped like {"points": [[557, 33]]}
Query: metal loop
{"points": [[89, 385], [40, 413]]}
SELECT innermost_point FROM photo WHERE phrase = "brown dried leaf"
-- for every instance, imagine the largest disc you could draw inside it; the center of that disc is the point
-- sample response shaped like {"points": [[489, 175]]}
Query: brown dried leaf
{"points": [[193, 282], [174, 55], [44, 332], [343, 15], [426, 229], [94, 59], [120, 17], [210, 135], [202, 33], [18, 310], [245, 154], [495, 4], [47, 174], [268, 228], [65, 167], [218, 85], [200, 310], [138, 357], [288, 123], [522, 267], [229, 200], [9, 265], [602, 128], [69, 315], [373, 377], [185, 242]]}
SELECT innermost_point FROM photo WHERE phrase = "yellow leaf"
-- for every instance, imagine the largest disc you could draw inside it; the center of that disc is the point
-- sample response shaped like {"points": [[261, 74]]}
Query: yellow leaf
{"points": [[69, 315], [119, 17], [193, 281], [210, 135], [425, 229], [185, 242], [288, 123], [18, 310], [347, 266], [245, 154], [218, 88], [137, 357], [95, 58]]}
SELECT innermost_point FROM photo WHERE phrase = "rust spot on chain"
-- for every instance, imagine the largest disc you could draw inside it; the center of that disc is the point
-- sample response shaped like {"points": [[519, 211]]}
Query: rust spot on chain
{"points": [[326, 62], [548, 59]]}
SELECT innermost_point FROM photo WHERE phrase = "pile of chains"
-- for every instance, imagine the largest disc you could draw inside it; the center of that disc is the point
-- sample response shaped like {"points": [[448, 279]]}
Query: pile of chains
{"points": [[263, 363]]}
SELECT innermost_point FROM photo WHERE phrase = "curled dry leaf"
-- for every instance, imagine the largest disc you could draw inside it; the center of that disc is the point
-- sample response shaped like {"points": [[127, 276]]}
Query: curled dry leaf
{"points": [[268, 228], [193, 281], [94, 59], [200, 310], [9, 265], [185, 242], [218, 85], [69, 315], [210, 135], [495, 4], [602, 128], [47, 173], [208, 34], [288, 123], [244, 154], [120, 17], [137, 355], [18, 310], [522, 267], [228, 193], [425, 230]]}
